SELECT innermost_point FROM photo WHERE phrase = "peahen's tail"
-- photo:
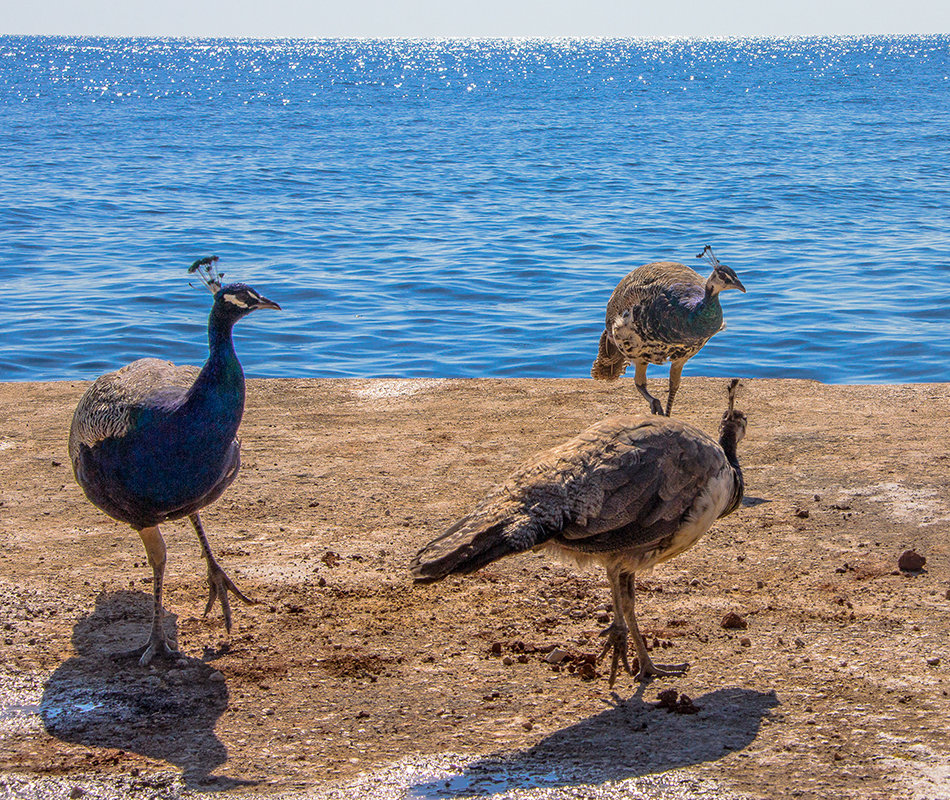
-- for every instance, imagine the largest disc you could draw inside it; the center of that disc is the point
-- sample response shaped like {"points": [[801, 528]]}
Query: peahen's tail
{"points": [[473, 542], [610, 362]]}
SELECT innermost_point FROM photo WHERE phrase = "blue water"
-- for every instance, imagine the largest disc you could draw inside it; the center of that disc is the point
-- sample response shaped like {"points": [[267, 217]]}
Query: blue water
{"points": [[464, 208]]}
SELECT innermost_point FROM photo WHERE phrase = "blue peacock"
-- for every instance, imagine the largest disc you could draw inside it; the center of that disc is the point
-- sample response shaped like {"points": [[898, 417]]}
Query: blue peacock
{"points": [[662, 312], [154, 441]]}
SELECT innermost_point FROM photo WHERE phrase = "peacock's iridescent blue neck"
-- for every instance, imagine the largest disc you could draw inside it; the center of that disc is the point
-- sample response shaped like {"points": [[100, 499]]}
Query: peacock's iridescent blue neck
{"points": [[217, 396]]}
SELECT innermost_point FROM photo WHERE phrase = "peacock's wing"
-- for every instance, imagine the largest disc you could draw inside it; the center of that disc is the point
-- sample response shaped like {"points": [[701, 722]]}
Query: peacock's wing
{"points": [[111, 405]]}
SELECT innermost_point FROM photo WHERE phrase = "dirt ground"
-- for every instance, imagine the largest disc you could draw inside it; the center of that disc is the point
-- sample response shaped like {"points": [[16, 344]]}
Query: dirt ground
{"points": [[348, 680]]}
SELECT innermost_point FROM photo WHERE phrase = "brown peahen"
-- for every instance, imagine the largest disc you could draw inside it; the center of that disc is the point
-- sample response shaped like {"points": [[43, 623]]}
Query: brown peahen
{"points": [[662, 312]]}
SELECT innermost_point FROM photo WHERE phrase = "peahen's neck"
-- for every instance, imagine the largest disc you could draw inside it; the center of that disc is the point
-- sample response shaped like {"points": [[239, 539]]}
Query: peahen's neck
{"points": [[217, 396], [727, 441]]}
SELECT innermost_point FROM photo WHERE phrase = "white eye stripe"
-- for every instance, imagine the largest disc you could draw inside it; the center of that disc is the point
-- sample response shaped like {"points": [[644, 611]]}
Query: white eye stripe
{"points": [[233, 298]]}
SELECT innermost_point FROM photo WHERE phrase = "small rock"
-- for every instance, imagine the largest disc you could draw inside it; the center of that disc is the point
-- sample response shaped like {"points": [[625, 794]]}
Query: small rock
{"points": [[799, 642], [734, 621], [507, 661], [802, 512], [496, 648], [745, 641], [527, 725], [557, 655], [76, 793], [933, 662], [682, 705], [216, 677], [911, 561]]}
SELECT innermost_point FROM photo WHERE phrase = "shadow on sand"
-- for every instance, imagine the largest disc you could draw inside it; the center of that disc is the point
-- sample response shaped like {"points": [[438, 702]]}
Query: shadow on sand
{"points": [[630, 739], [166, 711]]}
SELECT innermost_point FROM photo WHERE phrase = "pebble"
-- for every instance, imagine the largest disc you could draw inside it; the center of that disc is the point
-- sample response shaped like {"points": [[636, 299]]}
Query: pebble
{"points": [[557, 655], [745, 641], [734, 621], [216, 677], [934, 662], [911, 561]]}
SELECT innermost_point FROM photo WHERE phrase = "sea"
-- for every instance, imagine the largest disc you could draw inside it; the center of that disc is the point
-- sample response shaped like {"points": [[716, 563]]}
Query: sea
{"points": [[464, 208]]}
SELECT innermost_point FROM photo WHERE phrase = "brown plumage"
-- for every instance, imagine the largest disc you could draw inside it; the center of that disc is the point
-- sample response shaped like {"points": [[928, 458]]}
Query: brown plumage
{"points": [[661, 312], [627, 493]]}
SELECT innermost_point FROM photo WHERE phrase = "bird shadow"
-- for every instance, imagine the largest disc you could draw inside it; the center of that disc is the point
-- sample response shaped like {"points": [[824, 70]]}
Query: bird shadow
{"points": [[630, 739], [754, 501], [166, 711]]}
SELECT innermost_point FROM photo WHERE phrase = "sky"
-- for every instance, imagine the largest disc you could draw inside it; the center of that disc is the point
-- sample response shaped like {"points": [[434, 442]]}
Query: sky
{"points": [[473, 18]]}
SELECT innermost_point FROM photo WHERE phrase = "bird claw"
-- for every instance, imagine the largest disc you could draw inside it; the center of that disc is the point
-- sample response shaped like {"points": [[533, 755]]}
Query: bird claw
{"points": [[650, 670], [156, 646], [219, 584], [616, 642], [656, 407]]}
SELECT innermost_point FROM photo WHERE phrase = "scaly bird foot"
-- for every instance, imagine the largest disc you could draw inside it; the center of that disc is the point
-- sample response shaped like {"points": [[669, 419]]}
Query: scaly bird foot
{"points": [[156, 646], [219, 585], [656, 407], [647, 669], [616, 642]]}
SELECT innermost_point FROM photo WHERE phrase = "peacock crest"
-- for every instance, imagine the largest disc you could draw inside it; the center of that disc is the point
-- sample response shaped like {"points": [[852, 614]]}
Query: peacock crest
{"points": [[208, 273]]}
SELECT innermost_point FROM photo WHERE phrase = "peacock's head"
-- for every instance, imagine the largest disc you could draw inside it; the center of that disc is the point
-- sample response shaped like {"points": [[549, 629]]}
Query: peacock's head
{"points": [[733, 424], [237, 300], [722, 277], [233, 301]]}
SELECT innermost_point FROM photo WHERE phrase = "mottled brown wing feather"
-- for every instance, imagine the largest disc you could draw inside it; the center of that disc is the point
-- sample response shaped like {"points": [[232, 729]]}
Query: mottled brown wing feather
{"points": [[647, 484]]}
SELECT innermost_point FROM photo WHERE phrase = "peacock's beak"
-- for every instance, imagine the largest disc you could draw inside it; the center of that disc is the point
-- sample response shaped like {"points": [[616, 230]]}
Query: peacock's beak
{"points": [[265, 303], [737, 284]]}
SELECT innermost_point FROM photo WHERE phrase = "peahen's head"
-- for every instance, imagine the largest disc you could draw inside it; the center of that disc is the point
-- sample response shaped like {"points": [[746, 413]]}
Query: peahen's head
{"points": [[722, 277], [237, 300], [733, 424]]}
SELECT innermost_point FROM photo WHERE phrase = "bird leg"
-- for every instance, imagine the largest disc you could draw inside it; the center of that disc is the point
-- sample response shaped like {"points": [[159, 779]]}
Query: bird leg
{"points": [[676, 372], [640, 381], [157, 644], [647, 667], [219, 584], [616, 633]]}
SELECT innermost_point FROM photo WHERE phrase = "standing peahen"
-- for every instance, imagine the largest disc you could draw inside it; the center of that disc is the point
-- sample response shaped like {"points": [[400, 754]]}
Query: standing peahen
{"points": [[153, 442], [662, 312], [627, 493]]}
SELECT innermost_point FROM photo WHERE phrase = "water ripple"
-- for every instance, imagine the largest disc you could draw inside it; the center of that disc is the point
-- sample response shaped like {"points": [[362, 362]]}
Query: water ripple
{"points": [[465, 207]]}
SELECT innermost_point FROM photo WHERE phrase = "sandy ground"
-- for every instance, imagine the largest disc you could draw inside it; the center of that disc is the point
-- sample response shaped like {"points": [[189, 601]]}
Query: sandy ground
{"points": [[346, 680]]}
